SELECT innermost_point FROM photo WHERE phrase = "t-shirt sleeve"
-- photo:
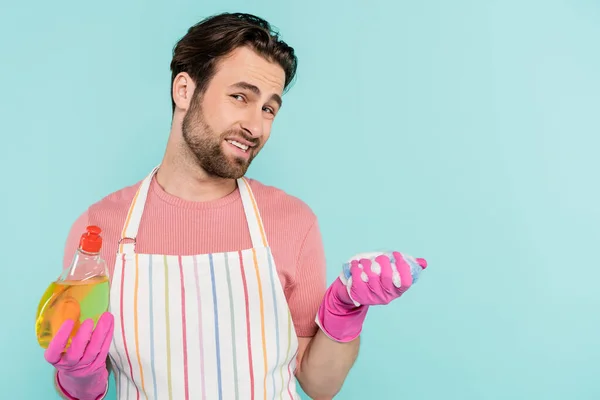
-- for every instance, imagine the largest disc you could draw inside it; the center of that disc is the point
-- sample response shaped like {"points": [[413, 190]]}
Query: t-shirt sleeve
{"points": [[72, 243], [309, 284]]}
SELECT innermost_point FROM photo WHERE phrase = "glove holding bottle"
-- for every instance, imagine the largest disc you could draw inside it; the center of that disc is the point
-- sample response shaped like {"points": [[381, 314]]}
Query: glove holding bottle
{"points": [[73, 324]]}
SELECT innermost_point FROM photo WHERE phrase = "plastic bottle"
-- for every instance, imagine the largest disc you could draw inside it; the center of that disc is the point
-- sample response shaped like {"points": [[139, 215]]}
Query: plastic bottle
{"points": [[80, 293], [417, 265]]}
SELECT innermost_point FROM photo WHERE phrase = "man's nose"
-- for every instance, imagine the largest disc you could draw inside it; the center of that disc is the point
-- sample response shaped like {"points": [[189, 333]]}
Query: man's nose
{"points": [[253, 124]]}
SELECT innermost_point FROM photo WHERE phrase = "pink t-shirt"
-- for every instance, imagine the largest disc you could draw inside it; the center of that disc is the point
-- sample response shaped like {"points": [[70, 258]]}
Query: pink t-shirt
{"points": [[174, 226]]}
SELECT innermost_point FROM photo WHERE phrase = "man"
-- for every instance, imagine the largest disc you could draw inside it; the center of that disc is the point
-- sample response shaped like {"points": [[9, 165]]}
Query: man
{"points": [[218, 286]]}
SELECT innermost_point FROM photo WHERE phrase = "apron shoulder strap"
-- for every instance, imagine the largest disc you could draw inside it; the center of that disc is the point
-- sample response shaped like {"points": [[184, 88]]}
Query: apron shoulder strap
{"points": [[255, 224]]}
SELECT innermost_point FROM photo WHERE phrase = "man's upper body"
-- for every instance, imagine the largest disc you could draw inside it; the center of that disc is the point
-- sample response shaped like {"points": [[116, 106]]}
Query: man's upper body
{"points": [[229, 75], [171, 225]]}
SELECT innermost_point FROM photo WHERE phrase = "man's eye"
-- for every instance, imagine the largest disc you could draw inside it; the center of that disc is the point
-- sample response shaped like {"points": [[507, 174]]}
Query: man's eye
{"points": [[238, 97]]}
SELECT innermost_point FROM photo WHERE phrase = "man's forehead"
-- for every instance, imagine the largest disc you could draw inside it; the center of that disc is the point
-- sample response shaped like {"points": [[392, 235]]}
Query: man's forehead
{"points": [[247, 66]]}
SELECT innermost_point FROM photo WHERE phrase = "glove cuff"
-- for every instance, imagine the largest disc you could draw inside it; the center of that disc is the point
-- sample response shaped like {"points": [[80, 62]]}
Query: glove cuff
{"points": [[93, 387], [337, 317]]}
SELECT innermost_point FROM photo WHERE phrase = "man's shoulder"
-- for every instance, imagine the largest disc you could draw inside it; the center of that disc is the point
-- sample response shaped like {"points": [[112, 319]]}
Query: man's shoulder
{"points": [[117, 200], [273, 199]]}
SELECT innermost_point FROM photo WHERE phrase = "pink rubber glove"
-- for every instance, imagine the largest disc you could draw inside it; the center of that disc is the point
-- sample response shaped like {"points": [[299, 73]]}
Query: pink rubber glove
{"points": [[81, 372], [344, 307]]}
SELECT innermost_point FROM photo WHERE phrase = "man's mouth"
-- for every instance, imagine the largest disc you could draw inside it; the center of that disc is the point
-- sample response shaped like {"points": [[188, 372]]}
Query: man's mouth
{"points": [[239, 145]]}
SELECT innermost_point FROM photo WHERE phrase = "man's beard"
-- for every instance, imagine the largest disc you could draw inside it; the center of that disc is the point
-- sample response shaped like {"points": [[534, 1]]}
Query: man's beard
{"points": [[207, 148]]}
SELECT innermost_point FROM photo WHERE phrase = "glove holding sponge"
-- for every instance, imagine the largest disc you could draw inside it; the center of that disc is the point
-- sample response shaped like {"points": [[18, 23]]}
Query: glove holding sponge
{"points": [[367, 279]]}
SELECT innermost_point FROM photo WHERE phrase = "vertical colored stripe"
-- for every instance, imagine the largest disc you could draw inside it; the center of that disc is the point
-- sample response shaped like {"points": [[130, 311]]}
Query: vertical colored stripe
{"points": [[151, 294], [123, 330], [168, 327], [256, 213], [216, 315], [249, 336], [199, 302], [291, 381], [233, 335], [117, 366], [183, 330], [262, 322], [136, 324], [287, 354], [290, 374], [276, 312]]}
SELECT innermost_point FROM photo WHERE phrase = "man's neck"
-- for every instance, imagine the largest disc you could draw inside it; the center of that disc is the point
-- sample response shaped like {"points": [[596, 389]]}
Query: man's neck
{"points": [[191, 183]]}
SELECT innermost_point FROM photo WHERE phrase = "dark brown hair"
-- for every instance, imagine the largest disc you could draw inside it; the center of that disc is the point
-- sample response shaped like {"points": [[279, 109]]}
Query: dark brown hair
{"points": [[205, 43]]}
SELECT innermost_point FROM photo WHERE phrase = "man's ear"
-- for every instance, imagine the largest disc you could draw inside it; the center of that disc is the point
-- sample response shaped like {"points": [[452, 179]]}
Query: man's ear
{"points": [[183, 91]]}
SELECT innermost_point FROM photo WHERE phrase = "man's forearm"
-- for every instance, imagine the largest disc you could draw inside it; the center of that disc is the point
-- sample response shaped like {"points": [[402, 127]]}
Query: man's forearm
{"points": [[325, 365]]}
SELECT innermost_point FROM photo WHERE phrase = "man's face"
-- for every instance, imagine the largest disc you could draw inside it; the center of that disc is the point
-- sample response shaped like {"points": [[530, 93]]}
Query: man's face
{"points": [[229, 124]]}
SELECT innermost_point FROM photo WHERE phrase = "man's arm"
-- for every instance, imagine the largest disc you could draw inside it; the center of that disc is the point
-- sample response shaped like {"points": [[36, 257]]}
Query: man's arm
{"points": [[322, 363]]}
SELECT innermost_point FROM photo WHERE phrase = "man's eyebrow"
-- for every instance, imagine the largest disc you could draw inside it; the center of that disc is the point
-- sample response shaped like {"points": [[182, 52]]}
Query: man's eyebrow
{"points": [[254, 89]]}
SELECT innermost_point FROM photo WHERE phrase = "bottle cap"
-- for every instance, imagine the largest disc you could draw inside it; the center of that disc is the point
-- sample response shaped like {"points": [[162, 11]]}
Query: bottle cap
{"points": [[91, 241]]}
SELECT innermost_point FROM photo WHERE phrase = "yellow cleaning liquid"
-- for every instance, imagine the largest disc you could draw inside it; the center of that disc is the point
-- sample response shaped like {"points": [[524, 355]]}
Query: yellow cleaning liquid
{"points": [[75, 300]]}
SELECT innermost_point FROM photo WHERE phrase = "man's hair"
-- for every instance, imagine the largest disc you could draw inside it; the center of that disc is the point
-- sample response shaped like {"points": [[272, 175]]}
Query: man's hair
{"points": [[205, 43]]}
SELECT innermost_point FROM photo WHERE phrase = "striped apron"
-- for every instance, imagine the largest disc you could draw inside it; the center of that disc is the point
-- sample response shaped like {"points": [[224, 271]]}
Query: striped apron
{"points": [[201, 327]]}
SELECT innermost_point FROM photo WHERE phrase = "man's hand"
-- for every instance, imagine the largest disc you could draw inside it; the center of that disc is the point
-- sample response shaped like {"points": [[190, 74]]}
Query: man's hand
{"points": [[380, 281], [81, 369], [344, 307]]}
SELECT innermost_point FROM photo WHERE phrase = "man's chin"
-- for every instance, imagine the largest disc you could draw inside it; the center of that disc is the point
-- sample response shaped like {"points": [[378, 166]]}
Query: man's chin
{"points": [[228, 165], [237, 168]]}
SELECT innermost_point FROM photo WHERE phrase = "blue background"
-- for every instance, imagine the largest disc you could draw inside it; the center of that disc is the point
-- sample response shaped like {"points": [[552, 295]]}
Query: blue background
{"points": [[465, 132]]}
